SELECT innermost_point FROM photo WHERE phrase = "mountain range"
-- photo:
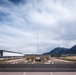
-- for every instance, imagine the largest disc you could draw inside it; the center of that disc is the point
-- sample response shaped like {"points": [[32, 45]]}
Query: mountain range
{"points": [[60, 50]]}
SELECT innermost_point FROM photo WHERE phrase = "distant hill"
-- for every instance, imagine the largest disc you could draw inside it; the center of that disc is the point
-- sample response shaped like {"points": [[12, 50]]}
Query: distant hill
{"points": [[60, 50], [72, 50]]}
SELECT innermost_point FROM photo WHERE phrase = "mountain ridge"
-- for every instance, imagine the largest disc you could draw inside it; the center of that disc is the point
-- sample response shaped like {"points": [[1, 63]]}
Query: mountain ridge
{"points": [[62, 50]]}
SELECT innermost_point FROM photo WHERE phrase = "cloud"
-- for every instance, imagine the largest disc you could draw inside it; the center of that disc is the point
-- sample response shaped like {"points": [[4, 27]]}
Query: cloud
{"points": [[21, 21], [17, 1]]}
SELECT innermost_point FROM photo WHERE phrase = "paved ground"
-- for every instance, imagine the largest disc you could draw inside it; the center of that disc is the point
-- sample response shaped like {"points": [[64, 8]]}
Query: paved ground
{"points": [[24, 61], [52, 61], [37, 73], [55, 60]]}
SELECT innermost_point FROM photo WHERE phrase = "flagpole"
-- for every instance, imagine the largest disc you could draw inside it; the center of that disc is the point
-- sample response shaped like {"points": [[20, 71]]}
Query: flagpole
{"points": [[37, 42]]}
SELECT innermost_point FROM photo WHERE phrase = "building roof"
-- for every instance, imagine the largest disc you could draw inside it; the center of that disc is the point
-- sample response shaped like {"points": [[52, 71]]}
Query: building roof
{"points": [[10, 51]]}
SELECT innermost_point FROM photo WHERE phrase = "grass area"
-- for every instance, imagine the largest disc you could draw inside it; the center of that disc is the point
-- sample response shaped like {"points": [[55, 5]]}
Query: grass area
{"points": [[31, 58], [45, 58], [69, 58], [8, 60]]}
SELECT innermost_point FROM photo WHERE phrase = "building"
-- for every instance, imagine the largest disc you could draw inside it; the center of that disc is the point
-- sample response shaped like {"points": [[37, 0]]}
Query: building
{"points": [[4, 53]]}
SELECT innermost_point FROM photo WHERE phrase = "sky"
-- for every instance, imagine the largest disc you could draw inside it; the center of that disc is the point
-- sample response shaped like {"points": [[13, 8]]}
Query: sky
{"points": [[22, 22]]}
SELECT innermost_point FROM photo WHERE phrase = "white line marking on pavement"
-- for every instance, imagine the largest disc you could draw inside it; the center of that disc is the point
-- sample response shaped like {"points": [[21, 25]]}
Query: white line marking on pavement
{"points": [[24, 73], [51, 73]]}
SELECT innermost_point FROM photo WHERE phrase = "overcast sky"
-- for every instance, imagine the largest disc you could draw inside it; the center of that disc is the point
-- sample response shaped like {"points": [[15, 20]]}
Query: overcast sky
{"points": [[54, 21]]}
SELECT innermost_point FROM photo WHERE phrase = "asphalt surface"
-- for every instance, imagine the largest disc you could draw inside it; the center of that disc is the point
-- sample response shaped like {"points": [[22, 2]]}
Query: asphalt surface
{"points": [[37, 73]]}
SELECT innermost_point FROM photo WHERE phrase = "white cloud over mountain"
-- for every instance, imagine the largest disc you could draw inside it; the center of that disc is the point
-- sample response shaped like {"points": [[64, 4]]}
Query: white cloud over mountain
{"points": [[53, 20]]}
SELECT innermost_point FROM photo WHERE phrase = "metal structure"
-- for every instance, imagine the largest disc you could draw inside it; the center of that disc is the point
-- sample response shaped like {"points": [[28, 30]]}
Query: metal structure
{"points": [[38, 55], [4, 53]]}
